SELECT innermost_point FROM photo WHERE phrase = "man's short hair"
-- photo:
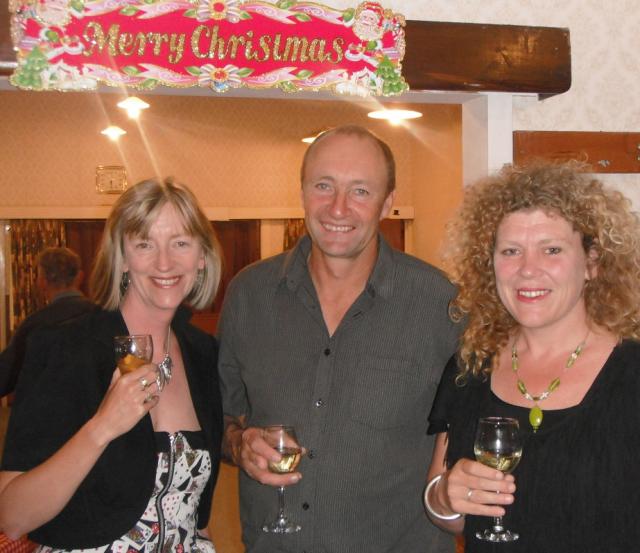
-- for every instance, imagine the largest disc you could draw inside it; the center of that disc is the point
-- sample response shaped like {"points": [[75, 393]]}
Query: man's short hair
{"points": [[59, 266], [360, 132]]}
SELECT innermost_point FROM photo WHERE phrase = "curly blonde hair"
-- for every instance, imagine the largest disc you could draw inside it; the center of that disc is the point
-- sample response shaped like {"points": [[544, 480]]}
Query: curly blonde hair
{"points": [[609, 230]]}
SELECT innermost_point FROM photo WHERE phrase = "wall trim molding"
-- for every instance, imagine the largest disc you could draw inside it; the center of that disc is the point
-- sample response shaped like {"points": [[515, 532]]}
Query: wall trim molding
{"points": [[213, 213]]}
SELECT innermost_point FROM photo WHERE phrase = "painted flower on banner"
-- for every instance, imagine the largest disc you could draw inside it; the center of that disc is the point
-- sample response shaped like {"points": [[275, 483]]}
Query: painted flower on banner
{"points": [[219, 79], [53, 12], [219, 9]]}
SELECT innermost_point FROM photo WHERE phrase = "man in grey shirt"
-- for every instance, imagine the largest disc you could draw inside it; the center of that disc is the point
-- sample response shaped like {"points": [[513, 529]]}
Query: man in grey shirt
{"points": [[345, 339]]}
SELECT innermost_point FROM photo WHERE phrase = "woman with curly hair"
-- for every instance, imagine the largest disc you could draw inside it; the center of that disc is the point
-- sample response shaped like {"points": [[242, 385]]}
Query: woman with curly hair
{"points": [[547, 263]]}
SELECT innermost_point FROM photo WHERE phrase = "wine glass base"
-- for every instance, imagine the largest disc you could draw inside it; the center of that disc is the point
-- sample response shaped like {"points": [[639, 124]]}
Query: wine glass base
{"points": [[497, 535], [281, 526]]}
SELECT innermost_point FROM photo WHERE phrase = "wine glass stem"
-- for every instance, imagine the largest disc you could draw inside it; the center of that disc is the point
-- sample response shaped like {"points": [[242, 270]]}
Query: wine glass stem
{"points": [[281, 502], [497, 524]]}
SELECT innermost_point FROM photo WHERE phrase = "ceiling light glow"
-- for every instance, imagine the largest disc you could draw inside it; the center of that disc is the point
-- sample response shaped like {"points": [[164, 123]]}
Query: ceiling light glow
{"points": [[394, 116], [113, 132], [133, 105]]}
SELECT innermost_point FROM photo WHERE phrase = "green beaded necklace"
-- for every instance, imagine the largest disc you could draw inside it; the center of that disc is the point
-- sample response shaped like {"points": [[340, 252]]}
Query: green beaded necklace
{"points": [[535, 413]]}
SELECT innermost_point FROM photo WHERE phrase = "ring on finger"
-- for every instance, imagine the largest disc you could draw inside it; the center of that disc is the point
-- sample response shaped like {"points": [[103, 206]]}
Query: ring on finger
{"points": [[148, 398], [469, 493], [144, 383]]}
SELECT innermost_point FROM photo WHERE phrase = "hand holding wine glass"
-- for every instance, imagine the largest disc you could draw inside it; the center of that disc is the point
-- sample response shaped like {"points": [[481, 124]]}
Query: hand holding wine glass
{"points": [[134, 387], [134, 350], [498, 444], [283, 439]]}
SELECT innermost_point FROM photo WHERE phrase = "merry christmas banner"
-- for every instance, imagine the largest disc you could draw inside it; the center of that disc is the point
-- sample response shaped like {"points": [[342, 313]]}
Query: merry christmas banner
{"points": [[217, 44]]}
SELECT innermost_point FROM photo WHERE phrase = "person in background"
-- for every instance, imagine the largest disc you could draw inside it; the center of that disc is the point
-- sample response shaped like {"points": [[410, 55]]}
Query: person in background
{"points": [[100, 461], [345, 339], [547, 262], [59, 277]]}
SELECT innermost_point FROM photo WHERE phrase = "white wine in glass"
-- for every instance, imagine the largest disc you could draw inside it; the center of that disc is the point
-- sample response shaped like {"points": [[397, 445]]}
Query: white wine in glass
{"points": [[289, 461], [133, 351], [283, 439], [498, 445]]}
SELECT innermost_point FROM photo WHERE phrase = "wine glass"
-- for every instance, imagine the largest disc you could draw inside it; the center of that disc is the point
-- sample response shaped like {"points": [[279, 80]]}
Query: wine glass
{"points": [[283, 439], [133, 351], [498, 445]]}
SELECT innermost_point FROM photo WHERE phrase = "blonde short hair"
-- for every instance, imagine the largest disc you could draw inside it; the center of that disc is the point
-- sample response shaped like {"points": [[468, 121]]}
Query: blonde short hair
{"points": [[132, 215]]}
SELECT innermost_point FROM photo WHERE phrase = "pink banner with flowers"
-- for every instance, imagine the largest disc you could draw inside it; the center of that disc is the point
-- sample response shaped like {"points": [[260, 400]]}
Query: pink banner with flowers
{"points": [[217, 44]]}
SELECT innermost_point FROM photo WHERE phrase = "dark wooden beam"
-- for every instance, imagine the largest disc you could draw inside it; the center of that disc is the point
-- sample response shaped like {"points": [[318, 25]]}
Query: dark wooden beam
{"points": [[459, 56], [478, 57], [7, 54], [605, 152]]}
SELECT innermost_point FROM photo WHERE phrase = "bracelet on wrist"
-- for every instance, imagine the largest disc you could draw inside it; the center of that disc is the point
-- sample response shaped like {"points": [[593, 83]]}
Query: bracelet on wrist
{"points": [[432, 484]]}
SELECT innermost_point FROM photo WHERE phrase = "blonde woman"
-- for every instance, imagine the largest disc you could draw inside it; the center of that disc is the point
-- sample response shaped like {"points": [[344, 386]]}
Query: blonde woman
{"points": [[99, 461]]}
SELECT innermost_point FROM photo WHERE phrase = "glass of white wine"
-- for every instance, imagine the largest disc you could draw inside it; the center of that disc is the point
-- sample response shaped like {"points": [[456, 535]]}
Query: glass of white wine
{"points": [[498, 445], [283, 439], [133, 351]]}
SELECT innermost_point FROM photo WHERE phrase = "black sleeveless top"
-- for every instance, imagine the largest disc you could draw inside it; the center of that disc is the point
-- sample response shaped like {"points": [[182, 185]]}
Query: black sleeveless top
{"points": [[578, 482]]}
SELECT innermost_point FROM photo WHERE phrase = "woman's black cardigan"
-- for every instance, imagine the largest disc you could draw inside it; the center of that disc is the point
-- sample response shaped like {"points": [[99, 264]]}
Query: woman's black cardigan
{"points": [[66, 374]]}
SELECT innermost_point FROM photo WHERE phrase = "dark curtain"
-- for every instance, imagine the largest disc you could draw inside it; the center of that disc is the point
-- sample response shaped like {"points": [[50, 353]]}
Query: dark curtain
{"points": [[28, 238], [293, 230]]}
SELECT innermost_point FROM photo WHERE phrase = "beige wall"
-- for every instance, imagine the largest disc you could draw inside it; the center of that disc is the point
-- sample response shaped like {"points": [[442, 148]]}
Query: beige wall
{"points": [[242, 154], [604, 55]]}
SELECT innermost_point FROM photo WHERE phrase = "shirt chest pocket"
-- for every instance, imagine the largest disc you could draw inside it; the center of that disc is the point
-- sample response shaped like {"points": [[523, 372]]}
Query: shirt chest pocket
{"points": [[389, 393]]}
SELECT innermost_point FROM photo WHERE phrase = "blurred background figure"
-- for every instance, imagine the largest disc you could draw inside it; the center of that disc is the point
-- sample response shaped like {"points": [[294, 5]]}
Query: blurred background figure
{"points": [[58, 281], [547, 264]]}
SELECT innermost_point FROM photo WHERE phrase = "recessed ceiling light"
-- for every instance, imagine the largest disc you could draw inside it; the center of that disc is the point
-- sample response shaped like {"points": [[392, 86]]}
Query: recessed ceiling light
{"points": [[133, 105], [394, 116], [311, 138], [113, 132]]}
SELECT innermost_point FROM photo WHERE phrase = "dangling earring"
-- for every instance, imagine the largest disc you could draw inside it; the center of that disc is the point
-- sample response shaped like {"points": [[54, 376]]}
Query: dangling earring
{"points": [[199, 279], [124, 283]]}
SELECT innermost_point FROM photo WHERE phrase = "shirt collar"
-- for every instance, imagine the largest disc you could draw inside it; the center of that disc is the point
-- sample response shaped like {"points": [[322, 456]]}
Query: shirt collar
{"points": [[295, 270], [382, 277], [66, 294]]}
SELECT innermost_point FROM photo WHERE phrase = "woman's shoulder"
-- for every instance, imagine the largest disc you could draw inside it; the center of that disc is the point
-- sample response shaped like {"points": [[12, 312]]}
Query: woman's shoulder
{"points": [[629, 347], [625, 358], [196, 338], [89, 324], [201, 337]]}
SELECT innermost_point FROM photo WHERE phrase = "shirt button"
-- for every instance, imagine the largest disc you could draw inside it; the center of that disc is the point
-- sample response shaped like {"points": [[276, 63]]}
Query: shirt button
{"points": [[311, 454], [319, 402], [305, 506], [327, 351]]}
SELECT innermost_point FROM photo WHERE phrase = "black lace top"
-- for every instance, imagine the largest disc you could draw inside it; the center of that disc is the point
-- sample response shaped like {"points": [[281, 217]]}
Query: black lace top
{"points": [[578, 483]]}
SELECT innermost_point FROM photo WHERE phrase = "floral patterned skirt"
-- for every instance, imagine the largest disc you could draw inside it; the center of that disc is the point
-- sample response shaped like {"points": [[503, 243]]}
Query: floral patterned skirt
{"points": [[169, 521]]}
